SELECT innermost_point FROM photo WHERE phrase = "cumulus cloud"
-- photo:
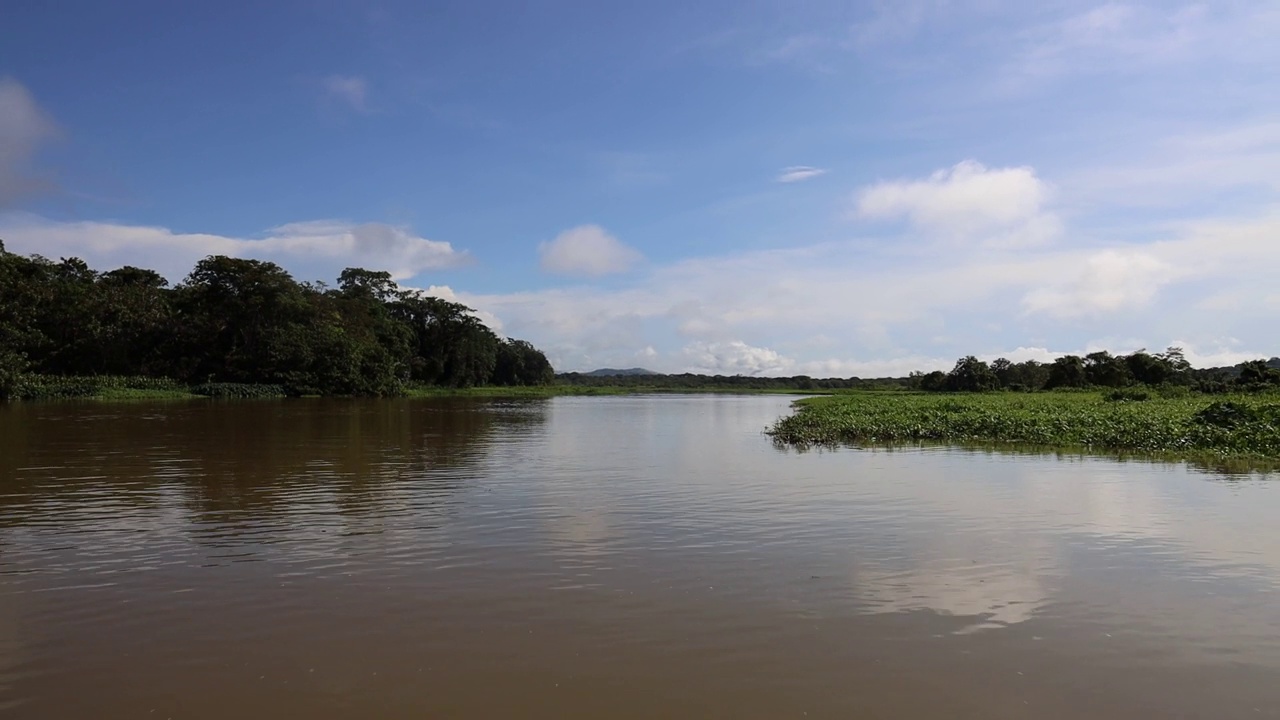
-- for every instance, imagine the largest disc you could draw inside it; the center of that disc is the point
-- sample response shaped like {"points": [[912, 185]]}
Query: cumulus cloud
{"points": [[314, 249], [587, 250], [796, 173], [969, 203], [733, 358], [351, 91], [387, 247], [24, 128]]}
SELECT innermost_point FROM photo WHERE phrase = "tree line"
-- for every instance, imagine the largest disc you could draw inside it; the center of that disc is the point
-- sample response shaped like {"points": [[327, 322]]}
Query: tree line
{"points": [[234, 320], [697, 381], [1098, 370], [1095, 370]]}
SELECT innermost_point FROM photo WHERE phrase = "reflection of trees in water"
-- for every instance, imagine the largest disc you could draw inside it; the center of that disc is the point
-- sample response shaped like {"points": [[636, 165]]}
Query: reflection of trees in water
{"points": [[356, 452], [14, 453], [56, 456], [245, 460]]}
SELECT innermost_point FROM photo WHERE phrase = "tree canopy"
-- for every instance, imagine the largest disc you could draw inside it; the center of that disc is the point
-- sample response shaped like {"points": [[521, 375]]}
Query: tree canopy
{"points": [[247, 321]]}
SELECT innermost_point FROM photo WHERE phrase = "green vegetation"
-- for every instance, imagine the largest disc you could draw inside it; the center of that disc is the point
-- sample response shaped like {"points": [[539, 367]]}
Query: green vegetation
{"points": [[238, 328], [1095, 370], [241, 391], [1182, 425], [106, 387], [565, 389], [526, 391], [690, 382], [1099, 370]]}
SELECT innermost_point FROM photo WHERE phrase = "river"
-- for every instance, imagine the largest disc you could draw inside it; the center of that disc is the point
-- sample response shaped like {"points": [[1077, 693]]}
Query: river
{"points": [[620, 557]]}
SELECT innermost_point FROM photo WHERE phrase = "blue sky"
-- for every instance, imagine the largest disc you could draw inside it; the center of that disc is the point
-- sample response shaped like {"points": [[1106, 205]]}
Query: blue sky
{"points": [[777, 188]]}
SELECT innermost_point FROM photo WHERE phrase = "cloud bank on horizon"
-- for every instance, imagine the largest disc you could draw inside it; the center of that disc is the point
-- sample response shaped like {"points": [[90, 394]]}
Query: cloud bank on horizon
{"points": [[987, 178]]}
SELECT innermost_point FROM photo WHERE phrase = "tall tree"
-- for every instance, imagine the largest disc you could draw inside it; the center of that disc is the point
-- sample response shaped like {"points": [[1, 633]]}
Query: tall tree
{"points": [[134, 322], [972, 375], [451, 346], [1067, 371], [240, 320], [1105, 370]]}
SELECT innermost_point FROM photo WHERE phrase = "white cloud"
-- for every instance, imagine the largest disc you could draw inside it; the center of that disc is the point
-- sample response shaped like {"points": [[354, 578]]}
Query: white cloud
{"points": [[1001, 207], [889, 367], [24, 127], [796, 173], [1220, 354], [349, 90], [587, 250], [1109, 281], [317, 249], [877, 310], [733, 358]]}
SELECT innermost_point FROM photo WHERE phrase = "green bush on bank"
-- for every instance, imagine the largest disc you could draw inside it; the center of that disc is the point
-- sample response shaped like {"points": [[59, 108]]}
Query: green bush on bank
{"points": [[243, 391], [54, 387]]}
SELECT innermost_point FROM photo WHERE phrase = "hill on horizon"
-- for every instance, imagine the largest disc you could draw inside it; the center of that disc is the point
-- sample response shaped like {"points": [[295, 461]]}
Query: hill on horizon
{"points": [[606, 372]]}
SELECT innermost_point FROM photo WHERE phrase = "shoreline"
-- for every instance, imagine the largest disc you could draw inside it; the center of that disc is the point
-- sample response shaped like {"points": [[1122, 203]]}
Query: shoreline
{"points": [[112, 389]]}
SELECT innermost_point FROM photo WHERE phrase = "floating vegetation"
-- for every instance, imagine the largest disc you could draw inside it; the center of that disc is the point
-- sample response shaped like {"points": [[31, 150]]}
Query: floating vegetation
{"points": [[245, 391], [1192, 426], [55, 387]]}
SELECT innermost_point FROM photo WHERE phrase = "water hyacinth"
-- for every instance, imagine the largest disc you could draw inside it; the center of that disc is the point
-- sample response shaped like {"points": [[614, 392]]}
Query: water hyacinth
{"points": [[1243, 426]]}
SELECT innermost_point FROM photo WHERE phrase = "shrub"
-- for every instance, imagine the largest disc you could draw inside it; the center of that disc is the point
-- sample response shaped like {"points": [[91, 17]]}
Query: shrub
{"points": [[1127, 395], [1226, 414], [238, 390]]}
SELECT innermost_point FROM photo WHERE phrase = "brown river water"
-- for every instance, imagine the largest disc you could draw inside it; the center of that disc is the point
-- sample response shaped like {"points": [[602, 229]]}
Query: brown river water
{"points": [[609, 557]]}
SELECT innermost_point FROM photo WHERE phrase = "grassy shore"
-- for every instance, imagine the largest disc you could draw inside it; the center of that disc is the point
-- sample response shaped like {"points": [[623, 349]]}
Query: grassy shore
{"points": [[1190, 427]]}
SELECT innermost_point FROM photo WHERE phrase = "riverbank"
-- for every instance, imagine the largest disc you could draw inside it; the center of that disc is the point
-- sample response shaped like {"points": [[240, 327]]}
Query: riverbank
{"points": [[117, 388], [1236, 427], [591, 390]]}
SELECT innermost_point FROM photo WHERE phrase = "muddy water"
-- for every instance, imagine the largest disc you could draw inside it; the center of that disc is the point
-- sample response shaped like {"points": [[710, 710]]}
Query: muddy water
{"points": [[609, 557]]}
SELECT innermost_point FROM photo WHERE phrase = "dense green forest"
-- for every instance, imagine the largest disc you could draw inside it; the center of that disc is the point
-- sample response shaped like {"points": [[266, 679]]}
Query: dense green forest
{"points": [[238, 321]]}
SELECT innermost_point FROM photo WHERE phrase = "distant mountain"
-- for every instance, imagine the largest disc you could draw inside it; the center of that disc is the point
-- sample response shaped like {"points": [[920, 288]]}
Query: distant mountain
{"points": [[607, 372]]}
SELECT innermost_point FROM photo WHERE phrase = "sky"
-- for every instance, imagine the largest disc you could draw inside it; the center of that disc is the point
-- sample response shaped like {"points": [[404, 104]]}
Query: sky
{"points": [[774, 188]]}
